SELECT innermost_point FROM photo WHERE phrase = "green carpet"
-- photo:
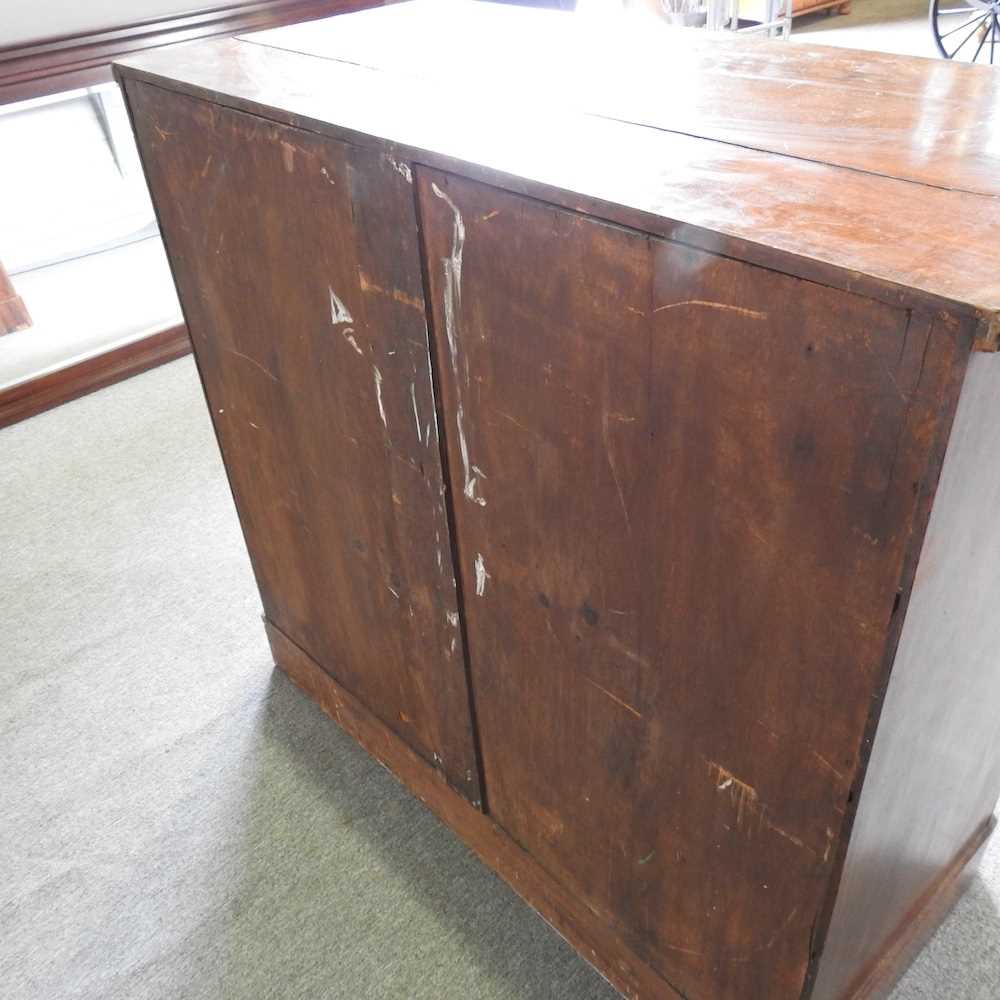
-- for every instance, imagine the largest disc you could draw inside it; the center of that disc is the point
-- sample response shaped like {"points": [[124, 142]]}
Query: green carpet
{"points": [[178, 821]]}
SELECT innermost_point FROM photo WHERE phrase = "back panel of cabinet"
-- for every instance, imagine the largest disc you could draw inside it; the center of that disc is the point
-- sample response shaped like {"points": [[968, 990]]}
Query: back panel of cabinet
{"points": [[684, 487], [297, 262]]}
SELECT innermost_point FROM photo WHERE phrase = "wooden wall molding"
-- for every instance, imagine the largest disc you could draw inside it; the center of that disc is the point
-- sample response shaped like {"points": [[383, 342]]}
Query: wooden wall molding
{"points": [[46, 391], [48, 66]]}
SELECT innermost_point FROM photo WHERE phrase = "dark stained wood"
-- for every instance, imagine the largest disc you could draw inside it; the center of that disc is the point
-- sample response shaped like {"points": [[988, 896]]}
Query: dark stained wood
{"points": [[296, 261], [654, 450], [583, 929], [50, 65], [899, 242], [935, 770], [13, 314], [695, 395], [35, 395]]}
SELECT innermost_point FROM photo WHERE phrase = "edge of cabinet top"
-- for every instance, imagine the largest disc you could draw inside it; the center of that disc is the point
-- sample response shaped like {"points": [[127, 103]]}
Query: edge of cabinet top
{"points": [[872, 172]]}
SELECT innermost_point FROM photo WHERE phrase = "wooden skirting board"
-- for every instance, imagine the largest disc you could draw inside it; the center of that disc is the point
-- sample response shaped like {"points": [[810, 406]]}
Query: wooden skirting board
{"points": [[35, 69], [49, 390]]}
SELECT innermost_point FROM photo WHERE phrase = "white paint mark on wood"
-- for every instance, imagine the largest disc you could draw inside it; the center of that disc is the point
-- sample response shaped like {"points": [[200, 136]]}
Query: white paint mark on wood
{"points": [[348, 333], [416, 413], [401, 168], [339, 313], [481, 575], [452, 617], [378, 396], [452, 266]]}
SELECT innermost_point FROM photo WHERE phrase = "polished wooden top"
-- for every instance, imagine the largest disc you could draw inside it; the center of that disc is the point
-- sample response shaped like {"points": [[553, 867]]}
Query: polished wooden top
{"points": [[864, 170]]}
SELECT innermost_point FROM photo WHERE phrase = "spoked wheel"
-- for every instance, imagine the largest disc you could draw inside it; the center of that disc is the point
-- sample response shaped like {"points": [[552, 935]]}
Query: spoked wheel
{"points": [[967, 30]]}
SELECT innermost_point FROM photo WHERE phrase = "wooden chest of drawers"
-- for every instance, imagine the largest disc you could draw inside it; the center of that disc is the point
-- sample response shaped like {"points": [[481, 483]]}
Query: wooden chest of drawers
{"points": [[618, 459]]}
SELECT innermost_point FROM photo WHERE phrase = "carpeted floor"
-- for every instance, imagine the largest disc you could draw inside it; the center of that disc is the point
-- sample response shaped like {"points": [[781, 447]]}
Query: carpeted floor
{"points": [[176, 820]]}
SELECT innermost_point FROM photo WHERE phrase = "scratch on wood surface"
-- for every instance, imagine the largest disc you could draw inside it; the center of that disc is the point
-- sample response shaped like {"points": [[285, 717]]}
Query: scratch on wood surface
{"points": [[163, 133], [781, 832], [348, 333], [828, 765], [339, 313], [326, 174], [378, 395], [626, 651], [481, 575], [615, 698], [610, 453], [516, 423], [452, 617], [208, 163], [255, 363], [452, 268], [747, 956], [705, 303], [416, 414], [367, 285], [395, 593], [288, 156], [743, 796], [489, 215]]}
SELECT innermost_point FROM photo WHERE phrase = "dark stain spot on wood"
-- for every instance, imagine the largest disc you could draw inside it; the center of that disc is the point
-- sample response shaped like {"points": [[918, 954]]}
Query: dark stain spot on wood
{"points": [[590, 616], [804, 447], [544, 601], [358, 545]]}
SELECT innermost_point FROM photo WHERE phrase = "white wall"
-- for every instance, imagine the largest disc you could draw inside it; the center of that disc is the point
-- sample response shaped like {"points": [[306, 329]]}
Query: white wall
{"points": [[30, 20]]}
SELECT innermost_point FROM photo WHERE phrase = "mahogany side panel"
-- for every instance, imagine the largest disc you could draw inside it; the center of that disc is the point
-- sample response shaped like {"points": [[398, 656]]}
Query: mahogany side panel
{"points": [[685, 492], [934, 775], [296, 262]]}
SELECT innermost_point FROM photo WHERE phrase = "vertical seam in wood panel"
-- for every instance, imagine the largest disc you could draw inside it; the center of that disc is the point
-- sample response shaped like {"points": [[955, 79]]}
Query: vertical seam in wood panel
{"points": [[449, 498], [920, 518]]}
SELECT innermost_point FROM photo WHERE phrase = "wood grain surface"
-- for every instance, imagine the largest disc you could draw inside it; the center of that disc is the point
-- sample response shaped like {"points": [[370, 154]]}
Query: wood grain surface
{"points": [[898, 241], [924, 120], [684, 490], [297, 264]]}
